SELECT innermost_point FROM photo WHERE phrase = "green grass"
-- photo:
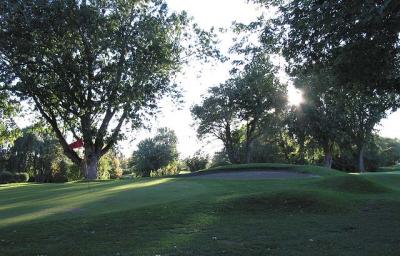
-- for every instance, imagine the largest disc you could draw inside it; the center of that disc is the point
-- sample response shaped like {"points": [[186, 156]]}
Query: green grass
{"points": [[395, 169], [310, 169], [336, 214]]}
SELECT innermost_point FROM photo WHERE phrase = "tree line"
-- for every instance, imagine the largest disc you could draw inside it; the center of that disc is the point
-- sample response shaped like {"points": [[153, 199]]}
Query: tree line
{"points": [[91, 67]]}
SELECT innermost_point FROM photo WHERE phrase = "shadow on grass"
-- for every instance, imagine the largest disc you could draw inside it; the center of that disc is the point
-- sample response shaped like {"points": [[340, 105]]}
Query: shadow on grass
{"points": [[41, 205]]}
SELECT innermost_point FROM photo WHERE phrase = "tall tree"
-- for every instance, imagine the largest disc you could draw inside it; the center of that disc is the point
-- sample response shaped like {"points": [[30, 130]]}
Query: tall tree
{"points": [[250, 102], [91, 66], [217, 116], [260, 98], [364, 110], [357, 39], [322, 112]]}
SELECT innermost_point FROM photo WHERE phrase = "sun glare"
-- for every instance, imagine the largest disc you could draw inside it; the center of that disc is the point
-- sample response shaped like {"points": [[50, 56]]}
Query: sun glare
{"points": [[295, 96]]}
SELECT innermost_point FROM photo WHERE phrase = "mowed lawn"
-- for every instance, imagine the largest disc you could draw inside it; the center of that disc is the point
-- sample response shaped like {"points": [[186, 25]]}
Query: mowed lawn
{"points": [[336, 214]]}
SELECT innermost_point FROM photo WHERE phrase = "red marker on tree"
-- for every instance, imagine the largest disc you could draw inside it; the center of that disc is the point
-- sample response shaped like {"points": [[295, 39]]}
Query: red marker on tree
{"points": [[76, 144]]}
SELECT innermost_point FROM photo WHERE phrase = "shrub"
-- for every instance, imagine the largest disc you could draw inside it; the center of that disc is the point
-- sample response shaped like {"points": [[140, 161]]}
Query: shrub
{"points": [[197, 162], [155, 154], [21, 177], [116, 171], [6, 177], [170, 169], [59, 178], [220, 159], [127, 172]]}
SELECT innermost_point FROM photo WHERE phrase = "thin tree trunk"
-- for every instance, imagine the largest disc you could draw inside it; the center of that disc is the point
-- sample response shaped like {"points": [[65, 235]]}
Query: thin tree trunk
{"points": [[328, 159], [361, 165], [248, 151]]}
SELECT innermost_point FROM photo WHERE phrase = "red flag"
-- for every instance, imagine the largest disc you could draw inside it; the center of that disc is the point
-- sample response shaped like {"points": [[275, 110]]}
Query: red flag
{"points": [[76, 144]]}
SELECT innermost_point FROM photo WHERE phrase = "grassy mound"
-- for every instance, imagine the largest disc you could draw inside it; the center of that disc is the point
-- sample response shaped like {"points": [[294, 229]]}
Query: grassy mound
{"points": [[309, 169], [289, 201], [352, 184]]}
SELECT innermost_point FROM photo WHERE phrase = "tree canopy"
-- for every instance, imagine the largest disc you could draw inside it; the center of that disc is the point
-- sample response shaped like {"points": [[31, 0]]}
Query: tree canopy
{"points": [[91, 66]]}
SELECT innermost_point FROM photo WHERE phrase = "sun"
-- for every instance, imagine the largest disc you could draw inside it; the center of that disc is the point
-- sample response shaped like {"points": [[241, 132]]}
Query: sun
{"points": [[295, 96]]}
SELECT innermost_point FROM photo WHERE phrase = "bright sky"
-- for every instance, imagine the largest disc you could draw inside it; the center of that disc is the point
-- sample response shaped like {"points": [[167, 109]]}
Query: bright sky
{"points": [[217, 13], [208, 13]]}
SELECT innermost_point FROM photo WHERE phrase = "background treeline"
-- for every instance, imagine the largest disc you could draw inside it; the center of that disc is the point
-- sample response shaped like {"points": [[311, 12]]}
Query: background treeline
{"points": [[36, 156]]}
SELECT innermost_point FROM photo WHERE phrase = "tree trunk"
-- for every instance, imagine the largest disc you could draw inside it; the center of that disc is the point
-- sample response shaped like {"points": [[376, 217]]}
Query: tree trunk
{"points": [[91, 166], [328, 159], [248, 151], [231, 153], [361, 166]]}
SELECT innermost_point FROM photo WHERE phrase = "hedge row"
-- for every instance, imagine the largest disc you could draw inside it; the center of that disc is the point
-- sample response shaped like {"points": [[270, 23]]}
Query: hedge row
{"points": [[9, 177]]}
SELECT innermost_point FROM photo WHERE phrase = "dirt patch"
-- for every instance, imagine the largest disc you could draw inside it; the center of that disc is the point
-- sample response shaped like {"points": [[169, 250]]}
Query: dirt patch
{"points": [[254, 175]]}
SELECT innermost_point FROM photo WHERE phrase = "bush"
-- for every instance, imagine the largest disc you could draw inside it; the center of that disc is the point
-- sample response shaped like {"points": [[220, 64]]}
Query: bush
{"points": [[220, 159], [59, 178], [127, 172], [116, 171], [6, 177], [21, 177], [170, 169], [197, 162], [154, 155]]}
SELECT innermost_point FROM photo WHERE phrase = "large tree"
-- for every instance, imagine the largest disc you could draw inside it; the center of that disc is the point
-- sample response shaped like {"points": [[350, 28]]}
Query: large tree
{"points": [[248, 103], [260, 99], [357, 39], [322, 112], [217, 116], [91, 66], [363, 110]]}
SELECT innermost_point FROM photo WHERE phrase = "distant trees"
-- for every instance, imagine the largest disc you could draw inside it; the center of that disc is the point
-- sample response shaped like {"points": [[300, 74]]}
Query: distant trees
{"points": [[89, 67], [155, 153], [38, 153]]}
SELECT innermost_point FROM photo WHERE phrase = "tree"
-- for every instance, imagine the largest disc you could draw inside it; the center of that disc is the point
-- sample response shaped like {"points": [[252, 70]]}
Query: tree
{"points": [[251, 100], [91, 66], [322, 113], [357, 39], [155, 153], [8, 128], [217, 116], [36, 152], [364, 110], [260, 98]]}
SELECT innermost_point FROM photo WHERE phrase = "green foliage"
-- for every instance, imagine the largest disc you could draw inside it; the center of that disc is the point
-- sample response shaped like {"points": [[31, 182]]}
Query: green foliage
{"points": [[357, 39], [197, 162], [21, 177], [220, 158], [155, 153], [171, 169], [100, 62], [243, 108], [6, 177]]}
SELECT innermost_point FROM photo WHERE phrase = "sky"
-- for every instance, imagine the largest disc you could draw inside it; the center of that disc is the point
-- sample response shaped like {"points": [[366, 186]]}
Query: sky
{"points": [[212, 13]]}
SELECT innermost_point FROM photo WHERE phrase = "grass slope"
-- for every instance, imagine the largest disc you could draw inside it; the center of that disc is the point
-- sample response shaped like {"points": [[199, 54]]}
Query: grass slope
{"points": [[179, 216], [309, 169]]}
